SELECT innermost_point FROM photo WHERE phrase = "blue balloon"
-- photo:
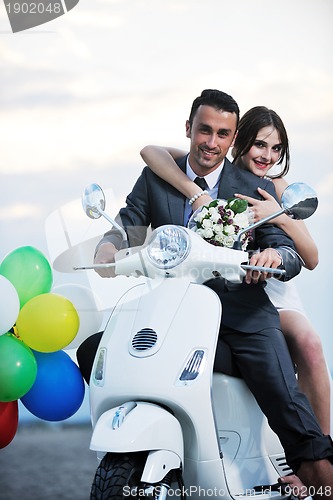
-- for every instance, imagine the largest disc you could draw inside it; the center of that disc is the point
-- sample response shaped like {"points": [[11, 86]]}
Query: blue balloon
{"points": [[58, 390]]}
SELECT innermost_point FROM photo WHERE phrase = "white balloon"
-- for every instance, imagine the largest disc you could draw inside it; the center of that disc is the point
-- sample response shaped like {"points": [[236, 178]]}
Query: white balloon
{"points": [[86, 304], [9, 305]]}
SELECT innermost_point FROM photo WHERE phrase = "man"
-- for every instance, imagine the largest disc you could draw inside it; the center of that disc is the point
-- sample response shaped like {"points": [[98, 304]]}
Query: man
{"points": [[250, 323]]}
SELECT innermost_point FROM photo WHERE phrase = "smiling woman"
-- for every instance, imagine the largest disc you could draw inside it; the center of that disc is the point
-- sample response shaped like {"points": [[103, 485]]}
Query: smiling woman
{"points": [[261, 142]]}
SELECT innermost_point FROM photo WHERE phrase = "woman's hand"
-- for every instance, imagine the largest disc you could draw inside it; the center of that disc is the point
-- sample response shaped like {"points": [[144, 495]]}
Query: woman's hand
{"points": [[262, 208]]}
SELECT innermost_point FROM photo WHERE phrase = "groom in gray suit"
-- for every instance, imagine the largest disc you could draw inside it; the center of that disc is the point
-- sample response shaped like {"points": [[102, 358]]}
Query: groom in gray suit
{"points": [[250, 323]]}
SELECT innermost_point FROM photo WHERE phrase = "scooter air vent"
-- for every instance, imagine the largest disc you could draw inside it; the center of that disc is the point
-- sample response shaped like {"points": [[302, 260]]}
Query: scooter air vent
{"points": [[144, 340], [280, 464], [193, 367]]}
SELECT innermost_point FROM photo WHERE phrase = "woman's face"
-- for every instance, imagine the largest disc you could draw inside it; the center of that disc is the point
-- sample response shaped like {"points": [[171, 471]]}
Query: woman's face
{"points": [[264, 153]]}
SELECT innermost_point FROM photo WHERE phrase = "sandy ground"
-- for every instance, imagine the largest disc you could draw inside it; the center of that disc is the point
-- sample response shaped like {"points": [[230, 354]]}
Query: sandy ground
{"points": [[48, 462]]}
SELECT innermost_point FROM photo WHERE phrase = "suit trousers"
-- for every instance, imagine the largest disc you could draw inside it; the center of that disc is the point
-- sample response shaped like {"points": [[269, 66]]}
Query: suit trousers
{"points": [[265, 364]]}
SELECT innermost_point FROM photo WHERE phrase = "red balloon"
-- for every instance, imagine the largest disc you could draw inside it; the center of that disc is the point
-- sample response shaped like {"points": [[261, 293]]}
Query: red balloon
{"points": [[8, 422]]}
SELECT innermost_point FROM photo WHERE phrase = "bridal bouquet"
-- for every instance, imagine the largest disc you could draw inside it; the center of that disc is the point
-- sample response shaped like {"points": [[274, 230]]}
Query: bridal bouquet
{"points": [[220, 222]]}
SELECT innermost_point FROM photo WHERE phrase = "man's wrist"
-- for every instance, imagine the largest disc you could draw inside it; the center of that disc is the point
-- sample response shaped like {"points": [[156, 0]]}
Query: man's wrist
{"points": [[107, 247]]}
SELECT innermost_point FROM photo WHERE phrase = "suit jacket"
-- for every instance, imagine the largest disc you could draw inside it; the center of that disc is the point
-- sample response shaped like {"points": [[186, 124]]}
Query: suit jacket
{"points": [[153, 202]]}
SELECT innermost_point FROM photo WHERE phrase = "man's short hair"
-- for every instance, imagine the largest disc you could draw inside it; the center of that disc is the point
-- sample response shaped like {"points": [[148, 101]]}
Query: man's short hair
{"points": [[218, 100]]}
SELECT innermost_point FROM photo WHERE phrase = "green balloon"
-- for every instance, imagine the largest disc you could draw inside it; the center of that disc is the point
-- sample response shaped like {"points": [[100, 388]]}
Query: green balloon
{"points": [[18, 368], [29, 271]]}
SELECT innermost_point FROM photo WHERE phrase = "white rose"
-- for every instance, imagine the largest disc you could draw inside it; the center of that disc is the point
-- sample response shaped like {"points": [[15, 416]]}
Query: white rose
{"points": [[214, 214], [201, 215], [218, 229], [228, 241], [241, 220], [229, 230], [205, 233], [207, 223], [220, 237]]}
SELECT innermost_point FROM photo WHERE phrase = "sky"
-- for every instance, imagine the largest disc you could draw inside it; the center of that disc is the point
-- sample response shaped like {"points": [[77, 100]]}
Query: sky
{"points": [[81, 95]]}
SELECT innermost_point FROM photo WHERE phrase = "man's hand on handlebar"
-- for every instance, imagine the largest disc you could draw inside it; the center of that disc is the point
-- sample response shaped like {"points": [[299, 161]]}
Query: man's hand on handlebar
{"points": [[105, 254], [267, 258]]}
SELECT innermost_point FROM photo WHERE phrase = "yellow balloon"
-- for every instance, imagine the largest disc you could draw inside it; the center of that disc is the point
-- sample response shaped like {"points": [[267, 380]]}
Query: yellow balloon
{"points": [[48, 322]]}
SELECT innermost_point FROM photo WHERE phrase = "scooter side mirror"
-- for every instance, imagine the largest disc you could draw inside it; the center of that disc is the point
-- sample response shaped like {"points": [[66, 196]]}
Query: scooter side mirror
{"points": [[93, 201], [298, 200]]}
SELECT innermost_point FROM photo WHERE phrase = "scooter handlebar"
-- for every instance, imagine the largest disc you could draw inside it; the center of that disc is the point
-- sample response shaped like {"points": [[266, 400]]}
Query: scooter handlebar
{"points": [[203, 262], [263, 269]]}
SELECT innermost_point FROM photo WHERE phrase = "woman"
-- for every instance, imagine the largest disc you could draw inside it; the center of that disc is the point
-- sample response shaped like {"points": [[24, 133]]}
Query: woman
{"points": [[262, 143]]}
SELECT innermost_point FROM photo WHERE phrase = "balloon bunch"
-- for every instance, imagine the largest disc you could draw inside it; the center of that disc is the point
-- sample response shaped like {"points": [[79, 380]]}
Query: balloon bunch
{"points": [[35, 325]]}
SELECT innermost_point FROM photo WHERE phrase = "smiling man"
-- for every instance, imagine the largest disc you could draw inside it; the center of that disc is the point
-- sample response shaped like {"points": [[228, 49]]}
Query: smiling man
{"points": [[212, 133]]}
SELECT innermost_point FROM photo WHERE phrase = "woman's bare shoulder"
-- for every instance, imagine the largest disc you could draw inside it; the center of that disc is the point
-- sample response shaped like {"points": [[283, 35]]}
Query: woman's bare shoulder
{"points": [[280, 185]]}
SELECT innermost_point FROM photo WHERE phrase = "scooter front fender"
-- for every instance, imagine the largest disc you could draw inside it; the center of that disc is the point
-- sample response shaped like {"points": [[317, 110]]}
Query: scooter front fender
{"points": [[137, 426]]}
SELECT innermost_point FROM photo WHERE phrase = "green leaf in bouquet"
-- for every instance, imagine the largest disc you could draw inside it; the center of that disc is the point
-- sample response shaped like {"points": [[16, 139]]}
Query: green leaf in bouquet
{"points": [[213, 203], [237, 205]]}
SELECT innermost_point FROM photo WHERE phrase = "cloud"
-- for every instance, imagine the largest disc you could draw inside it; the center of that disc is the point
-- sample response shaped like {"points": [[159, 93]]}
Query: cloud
{"points": [[19, 211]]}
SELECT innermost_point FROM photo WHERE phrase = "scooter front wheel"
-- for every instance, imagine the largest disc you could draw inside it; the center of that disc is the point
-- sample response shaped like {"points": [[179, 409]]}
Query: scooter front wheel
{"points": [[119, 476]]}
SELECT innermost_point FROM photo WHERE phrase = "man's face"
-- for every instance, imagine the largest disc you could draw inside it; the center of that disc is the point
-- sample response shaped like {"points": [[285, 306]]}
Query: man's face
{"points": [[212, 134]]}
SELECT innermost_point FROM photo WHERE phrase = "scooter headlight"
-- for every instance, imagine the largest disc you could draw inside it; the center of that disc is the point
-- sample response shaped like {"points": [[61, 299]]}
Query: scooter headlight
{"points": [[168, 246]]}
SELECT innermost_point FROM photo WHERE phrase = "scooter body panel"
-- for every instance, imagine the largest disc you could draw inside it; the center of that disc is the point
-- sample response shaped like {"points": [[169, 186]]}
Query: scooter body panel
{"points": [[173, 310], [158, 464], [250, 448], [224, 434], [143, 428]]}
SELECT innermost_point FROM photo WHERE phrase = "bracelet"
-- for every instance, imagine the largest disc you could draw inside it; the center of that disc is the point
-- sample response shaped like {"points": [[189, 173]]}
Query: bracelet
{"points": [[196, 196]]}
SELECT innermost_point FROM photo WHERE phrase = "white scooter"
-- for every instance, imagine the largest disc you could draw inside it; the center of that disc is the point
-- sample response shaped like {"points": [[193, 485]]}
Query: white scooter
{"points": [[164, 423]]}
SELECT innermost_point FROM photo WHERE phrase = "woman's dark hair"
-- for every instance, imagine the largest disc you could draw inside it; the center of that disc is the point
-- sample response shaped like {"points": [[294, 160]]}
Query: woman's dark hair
{"points": [[216, 99], [249, 125]]}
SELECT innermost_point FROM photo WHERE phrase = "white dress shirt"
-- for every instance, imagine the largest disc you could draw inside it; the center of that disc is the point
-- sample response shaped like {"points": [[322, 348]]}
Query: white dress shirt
{"points": [[212, 181]]}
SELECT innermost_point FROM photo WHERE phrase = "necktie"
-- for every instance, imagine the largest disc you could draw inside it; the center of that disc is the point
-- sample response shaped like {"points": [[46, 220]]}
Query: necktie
{"points": [[200, 181]]}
